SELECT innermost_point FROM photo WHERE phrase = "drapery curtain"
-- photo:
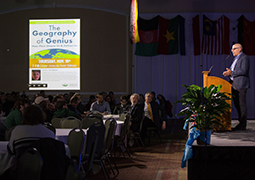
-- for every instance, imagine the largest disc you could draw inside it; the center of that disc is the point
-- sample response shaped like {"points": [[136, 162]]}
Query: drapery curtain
{"points": [[165, 74]]}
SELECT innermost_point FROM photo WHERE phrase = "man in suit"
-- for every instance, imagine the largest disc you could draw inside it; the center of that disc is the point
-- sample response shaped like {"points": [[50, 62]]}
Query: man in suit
{"points": [[239, 77], [154, 115], [136, 112]]}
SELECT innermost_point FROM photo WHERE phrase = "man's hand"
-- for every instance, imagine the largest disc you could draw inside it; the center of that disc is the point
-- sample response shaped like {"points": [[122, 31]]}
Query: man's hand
{"points": [[164, 125], [227, 72]]}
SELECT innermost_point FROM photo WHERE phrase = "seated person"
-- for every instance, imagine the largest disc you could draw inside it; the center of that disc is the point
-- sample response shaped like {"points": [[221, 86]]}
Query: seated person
{"points": [[73, 106], [136, 113], [92, 99], [33, 119], [122, 106], [14, 118], [100, 105], [152, 111], [62, 110], [110, 102]]}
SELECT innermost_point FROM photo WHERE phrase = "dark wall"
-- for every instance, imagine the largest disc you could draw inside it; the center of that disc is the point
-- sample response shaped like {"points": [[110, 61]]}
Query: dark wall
{"points": [[105, 60]]}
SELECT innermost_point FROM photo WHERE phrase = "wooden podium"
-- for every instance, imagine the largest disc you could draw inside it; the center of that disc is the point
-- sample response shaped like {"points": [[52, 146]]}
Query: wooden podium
{"points": [[226, 87]]}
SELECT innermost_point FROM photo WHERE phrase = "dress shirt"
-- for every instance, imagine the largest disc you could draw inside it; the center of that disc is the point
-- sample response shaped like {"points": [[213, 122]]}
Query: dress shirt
{"points": [[232, 67], [146, 111], [104, 107]]}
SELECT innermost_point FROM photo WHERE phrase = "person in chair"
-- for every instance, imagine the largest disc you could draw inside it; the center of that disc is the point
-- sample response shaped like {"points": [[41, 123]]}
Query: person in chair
{"points": [[154, 115]]}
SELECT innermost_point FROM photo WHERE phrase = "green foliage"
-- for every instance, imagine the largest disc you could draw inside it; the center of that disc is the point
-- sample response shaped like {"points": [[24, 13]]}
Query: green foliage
{"points": [[199, 110]]}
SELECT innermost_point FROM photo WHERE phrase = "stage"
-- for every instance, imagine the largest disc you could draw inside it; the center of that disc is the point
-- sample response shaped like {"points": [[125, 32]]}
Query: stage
{"points": [[231, 155]]}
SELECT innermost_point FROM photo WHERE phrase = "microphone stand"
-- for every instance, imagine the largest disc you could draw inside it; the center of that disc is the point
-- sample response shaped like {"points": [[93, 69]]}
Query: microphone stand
{"points": [[217, 64]]}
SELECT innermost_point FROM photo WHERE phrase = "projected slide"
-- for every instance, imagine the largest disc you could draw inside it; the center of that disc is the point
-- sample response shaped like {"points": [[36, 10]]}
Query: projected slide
{"points": [[54, 54]]}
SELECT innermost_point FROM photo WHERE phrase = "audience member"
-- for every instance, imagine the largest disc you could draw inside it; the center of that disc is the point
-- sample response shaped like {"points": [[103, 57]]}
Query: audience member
{"points": [[136, 112], [153, 96], [81, 108], [47, 107], [165, 104], [15, 116], [122, 106], [33, 119], [152, 117], [111, 94], [56, 99], [73, 106], [66, 97], [92, 99], [62, 110], [141, 99], [8, 104], [109, 100], [100, 105]]}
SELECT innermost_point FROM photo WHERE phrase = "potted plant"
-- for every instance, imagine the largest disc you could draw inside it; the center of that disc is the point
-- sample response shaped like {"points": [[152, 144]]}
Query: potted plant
{"points": [[204, 106]]}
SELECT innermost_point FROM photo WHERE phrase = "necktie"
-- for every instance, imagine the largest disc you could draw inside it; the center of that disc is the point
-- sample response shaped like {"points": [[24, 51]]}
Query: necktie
{"points": [[150, 112]]}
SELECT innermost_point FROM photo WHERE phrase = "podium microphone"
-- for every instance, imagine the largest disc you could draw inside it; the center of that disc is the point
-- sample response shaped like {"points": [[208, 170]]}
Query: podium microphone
{"points": [[217, 64]]}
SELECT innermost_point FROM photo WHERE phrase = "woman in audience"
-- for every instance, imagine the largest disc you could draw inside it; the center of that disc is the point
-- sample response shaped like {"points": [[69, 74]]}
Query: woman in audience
{"points": [[33, 119], [14, 118], [165, 104]]}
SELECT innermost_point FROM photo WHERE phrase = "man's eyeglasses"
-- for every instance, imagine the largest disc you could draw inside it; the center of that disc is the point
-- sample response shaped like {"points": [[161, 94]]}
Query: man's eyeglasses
{"points": [[234, 48]]}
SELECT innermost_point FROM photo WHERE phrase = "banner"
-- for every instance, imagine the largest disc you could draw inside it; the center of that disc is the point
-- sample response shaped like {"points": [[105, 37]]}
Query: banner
{"points": [[54, 54]]}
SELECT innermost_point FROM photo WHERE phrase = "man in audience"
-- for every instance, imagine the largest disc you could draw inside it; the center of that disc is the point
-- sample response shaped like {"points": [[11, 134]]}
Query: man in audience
{"points": [[62, 110], [92, 99], [136, 112], [122, 106], [100, 105], [154, 115], [73, 106], [15, 116]]}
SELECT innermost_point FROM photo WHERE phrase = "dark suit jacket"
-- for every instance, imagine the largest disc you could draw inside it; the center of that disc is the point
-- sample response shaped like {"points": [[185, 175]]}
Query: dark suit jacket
{"points": [[136, 117], [240, 74], [159, 114]]}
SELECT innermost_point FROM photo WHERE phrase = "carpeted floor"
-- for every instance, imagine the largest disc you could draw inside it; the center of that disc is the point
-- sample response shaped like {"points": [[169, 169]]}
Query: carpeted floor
{"points": [[157, 161]]}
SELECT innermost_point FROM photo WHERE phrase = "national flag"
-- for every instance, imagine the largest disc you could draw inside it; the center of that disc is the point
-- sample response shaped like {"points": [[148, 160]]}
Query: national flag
{"points": [[134, 37], [171, 35], [246, 35], [148, 33], [215, 39], [196, 35]]}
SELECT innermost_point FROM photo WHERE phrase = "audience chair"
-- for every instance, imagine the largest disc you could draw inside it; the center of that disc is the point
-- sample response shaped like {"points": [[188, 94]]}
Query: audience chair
{"points": [[123, 116], [30, 165], [136, 135], [91, 152], [150, 131], [50, 127], [75, 142], [110, 126], [120, 140], [70, 122], [90, 120], [94, 129], [95, 113], [56, 122]]}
